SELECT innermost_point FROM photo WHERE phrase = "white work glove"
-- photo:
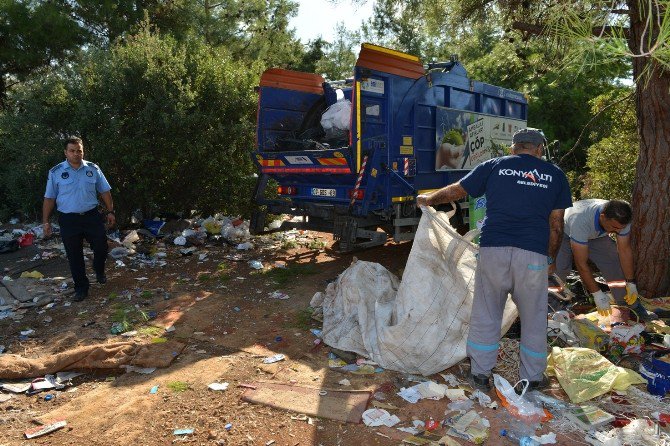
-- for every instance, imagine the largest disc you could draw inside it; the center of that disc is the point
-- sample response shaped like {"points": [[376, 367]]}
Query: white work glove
{"points": [[631, 293], [602, 301]]}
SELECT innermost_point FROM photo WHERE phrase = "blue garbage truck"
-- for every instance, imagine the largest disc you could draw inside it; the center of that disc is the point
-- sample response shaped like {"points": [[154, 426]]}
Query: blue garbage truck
{"points": [[350, 157]]}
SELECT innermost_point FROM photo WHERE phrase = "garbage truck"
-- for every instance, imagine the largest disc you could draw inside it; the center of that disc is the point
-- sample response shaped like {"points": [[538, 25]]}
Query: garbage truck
{"points": [[350, 157]]}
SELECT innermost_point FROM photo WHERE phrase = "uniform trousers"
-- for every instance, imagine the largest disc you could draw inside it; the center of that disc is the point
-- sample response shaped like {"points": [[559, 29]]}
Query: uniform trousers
{"points": [[523, 274], [74, 228]]}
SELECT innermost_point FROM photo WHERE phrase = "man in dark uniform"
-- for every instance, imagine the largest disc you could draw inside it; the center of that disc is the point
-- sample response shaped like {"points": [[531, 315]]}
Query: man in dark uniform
{"points": [[526, 198], [73, 187]]}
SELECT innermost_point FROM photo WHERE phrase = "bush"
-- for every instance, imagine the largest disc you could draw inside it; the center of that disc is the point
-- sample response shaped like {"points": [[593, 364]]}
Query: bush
{"points": [[611, 160], [170, 124]]}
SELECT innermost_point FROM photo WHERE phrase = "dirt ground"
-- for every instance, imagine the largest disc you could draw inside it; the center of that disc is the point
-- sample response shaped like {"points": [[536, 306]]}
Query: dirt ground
{"points": [[221, 310]]}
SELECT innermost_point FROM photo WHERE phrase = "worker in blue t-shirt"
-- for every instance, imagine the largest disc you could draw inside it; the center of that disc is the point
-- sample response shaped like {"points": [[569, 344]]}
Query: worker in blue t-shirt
{"points": [[73, 187], [526, 198]]}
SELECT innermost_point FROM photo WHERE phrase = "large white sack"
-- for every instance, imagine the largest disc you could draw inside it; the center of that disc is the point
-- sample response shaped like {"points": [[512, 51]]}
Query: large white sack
{"points": [[337, 116], [420, 325]]}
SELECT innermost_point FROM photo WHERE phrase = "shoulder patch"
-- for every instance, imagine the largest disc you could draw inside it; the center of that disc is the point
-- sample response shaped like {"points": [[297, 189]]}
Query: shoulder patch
{"points": [[93, 165], [54, 168]]}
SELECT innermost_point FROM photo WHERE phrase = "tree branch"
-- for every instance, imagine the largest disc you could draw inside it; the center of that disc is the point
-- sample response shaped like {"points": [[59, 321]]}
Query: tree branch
{"points": [[600, 31]]}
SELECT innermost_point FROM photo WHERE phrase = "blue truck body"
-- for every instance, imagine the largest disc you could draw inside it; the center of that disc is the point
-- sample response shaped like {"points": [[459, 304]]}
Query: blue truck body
{"points": [[412, 129]]}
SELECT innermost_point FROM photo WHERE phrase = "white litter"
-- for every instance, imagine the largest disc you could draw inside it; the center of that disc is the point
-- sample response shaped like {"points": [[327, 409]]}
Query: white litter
{"points": [[274, 358], [218, 386], [463, 405], [344, 382], [549, 438], [180, 241], [278, 295], [431, 389], [451, 380], [379, 417], [410, 394], [140, 370]]}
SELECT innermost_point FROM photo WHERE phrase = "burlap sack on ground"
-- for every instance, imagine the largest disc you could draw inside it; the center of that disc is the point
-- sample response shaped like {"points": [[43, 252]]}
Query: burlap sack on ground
{"points": [[89, 357], [419, 325]]}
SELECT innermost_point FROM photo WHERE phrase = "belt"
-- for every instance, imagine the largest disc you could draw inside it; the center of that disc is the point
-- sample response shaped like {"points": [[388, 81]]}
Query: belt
{"points": [[89, 212]]}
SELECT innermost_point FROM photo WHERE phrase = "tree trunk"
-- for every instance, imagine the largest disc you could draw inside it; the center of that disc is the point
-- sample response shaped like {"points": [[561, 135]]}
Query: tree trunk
{"points": [[651, 193]]}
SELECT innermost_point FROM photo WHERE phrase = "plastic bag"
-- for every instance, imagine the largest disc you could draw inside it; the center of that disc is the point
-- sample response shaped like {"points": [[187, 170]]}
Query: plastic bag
{"points": [[337, 116], [518, 405], [585, 374]]}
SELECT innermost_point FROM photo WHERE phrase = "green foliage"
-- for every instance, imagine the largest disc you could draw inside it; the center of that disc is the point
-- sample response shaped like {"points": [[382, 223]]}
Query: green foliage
{"points": [[34, 34], [314, 51], [40, 116], [163, 116], [340, 57], [282, 276], [178, 386], [611, 160], [170, 125]]}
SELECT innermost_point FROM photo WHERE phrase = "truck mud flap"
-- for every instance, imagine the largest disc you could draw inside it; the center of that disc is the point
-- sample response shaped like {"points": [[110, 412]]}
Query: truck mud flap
{"points": [[351, 237]]}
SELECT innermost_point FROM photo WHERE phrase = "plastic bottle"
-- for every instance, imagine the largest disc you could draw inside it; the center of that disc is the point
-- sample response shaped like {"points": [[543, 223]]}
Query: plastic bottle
{"points": [[523, 440]]}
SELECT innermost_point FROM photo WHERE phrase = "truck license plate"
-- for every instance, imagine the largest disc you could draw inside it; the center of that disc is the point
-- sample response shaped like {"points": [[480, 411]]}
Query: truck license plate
{"points": [[323, 192]]}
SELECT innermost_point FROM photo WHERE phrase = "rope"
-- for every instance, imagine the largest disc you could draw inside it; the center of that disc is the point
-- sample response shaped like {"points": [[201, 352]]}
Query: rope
{"points": [[508, 360]]}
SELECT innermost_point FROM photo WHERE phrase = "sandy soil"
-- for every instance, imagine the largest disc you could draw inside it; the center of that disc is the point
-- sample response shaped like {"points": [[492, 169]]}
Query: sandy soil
{"points": [[220, 308]]}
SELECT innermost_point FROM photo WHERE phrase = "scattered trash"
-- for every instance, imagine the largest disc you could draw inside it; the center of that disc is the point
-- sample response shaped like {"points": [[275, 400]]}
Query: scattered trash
{"points": [[46, 428], [468, 426], [344, 382], [386, 406], [117, 328], [228, 426], [140, 370], [32, 275], [278, 295], [119, 252], [245, 246], [589, 417], [517, 405], [16, 387], [49, 397], [274, 358], [411, 394], [218, 386], [187, 431], [585, 374], [153, 390], [379, 417], [256, 264], [461, 405], [180, 241]]}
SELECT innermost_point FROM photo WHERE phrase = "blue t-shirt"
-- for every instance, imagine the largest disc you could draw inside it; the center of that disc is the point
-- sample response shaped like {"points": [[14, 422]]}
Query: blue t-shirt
{"points": [[521, 191]]}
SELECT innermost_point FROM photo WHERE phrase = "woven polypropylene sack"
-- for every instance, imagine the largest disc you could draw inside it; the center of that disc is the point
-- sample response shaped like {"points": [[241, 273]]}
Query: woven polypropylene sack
{"points": [[419, 325]]}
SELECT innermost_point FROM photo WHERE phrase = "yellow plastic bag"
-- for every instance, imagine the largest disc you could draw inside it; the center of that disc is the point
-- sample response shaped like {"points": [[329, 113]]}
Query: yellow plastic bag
{"points": [[585, 374], [32, 275]]}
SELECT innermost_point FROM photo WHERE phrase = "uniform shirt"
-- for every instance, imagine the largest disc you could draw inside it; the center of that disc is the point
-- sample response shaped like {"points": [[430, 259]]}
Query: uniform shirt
{"points": [[76, 190], [521, 191], [582, 221]]}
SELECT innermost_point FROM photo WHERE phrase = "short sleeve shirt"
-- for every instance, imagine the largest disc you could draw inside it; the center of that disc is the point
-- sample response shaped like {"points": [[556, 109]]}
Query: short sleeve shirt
{"points": [[521, 191], [76, 190], [582, 221]]}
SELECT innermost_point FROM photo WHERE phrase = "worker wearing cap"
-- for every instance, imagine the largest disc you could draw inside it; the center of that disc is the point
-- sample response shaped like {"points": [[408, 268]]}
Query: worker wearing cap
{"points": [[73, 187], [526, 198], [587, 228]]}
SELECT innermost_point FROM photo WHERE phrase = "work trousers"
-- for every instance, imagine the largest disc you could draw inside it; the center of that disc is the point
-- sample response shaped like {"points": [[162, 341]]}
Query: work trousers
{"points": [[74, 228], [501, 271], [602, 252]]}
